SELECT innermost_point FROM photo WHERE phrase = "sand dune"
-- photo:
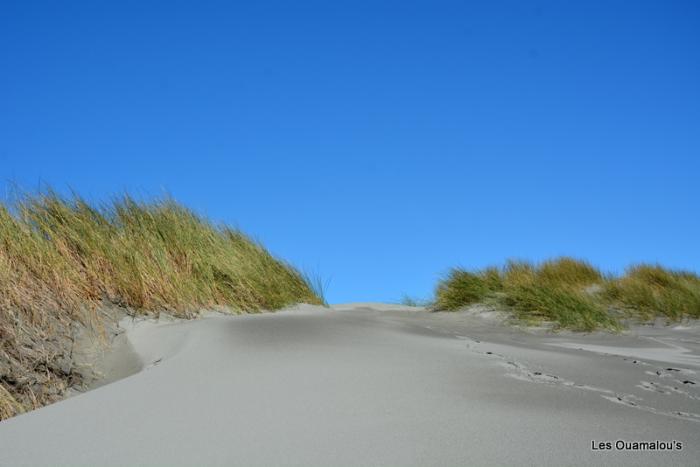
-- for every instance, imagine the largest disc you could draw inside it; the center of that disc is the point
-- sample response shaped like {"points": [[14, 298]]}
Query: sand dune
{"points": [[366, 384]]}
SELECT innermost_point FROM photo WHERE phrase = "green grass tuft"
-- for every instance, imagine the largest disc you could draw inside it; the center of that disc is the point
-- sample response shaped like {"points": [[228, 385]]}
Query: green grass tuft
{"points": [[568, 271], [554, 291], [573, 293], [651, 290], [461, 288], [407, 300], [567, 307]]}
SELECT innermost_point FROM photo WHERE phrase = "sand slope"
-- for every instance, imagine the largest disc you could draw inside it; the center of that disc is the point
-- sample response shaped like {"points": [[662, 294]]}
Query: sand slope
{"points": [[370, 385]]}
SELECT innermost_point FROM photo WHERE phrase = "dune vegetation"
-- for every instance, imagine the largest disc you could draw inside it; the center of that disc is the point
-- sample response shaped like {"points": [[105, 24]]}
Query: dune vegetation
{"points": [[62, 258], [651, 290], [573, 294]]}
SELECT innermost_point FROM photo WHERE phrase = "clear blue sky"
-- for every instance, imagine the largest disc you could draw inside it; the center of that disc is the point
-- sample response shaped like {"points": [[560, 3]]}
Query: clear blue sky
{"points": [[375, 143]]}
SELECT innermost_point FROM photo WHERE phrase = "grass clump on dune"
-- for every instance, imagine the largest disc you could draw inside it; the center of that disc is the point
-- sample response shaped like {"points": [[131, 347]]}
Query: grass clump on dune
{"points": [[460, 289], [556, 290], [60, 258], [568, 272], [651, 290], [574, 294]]}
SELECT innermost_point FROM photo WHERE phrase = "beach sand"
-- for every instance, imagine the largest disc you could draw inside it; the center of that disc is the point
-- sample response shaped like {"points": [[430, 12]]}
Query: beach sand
{"points": [[372, 384]]}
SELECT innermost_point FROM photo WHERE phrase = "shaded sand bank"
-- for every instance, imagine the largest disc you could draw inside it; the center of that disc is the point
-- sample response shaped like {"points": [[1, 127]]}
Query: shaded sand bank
{"points": [[368, 384]]}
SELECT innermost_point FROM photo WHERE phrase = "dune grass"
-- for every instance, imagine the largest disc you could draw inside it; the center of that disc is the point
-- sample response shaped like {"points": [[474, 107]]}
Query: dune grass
{"points": [[462, 288], [651, 290], [573, 294], [408, 300], [60, 258], [556, 290]]}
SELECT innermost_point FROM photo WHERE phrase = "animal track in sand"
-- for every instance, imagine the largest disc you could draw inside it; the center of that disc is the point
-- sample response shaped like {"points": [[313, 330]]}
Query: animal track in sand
{"points": [[691, 417], [665, 389], [674, 385], [522, 372], [154, 363]]}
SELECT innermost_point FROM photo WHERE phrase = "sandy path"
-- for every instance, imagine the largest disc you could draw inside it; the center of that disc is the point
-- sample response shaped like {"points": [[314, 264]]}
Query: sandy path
{"points": [[371, 385]]}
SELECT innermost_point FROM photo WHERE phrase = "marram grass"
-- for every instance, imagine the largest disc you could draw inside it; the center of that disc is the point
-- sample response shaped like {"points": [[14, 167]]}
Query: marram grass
{"points": [[573, 294], [60, 258], [650, 290]]}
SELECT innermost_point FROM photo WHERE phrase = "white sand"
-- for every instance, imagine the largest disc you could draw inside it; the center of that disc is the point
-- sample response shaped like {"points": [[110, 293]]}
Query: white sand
{"points": [[370, 385]]}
